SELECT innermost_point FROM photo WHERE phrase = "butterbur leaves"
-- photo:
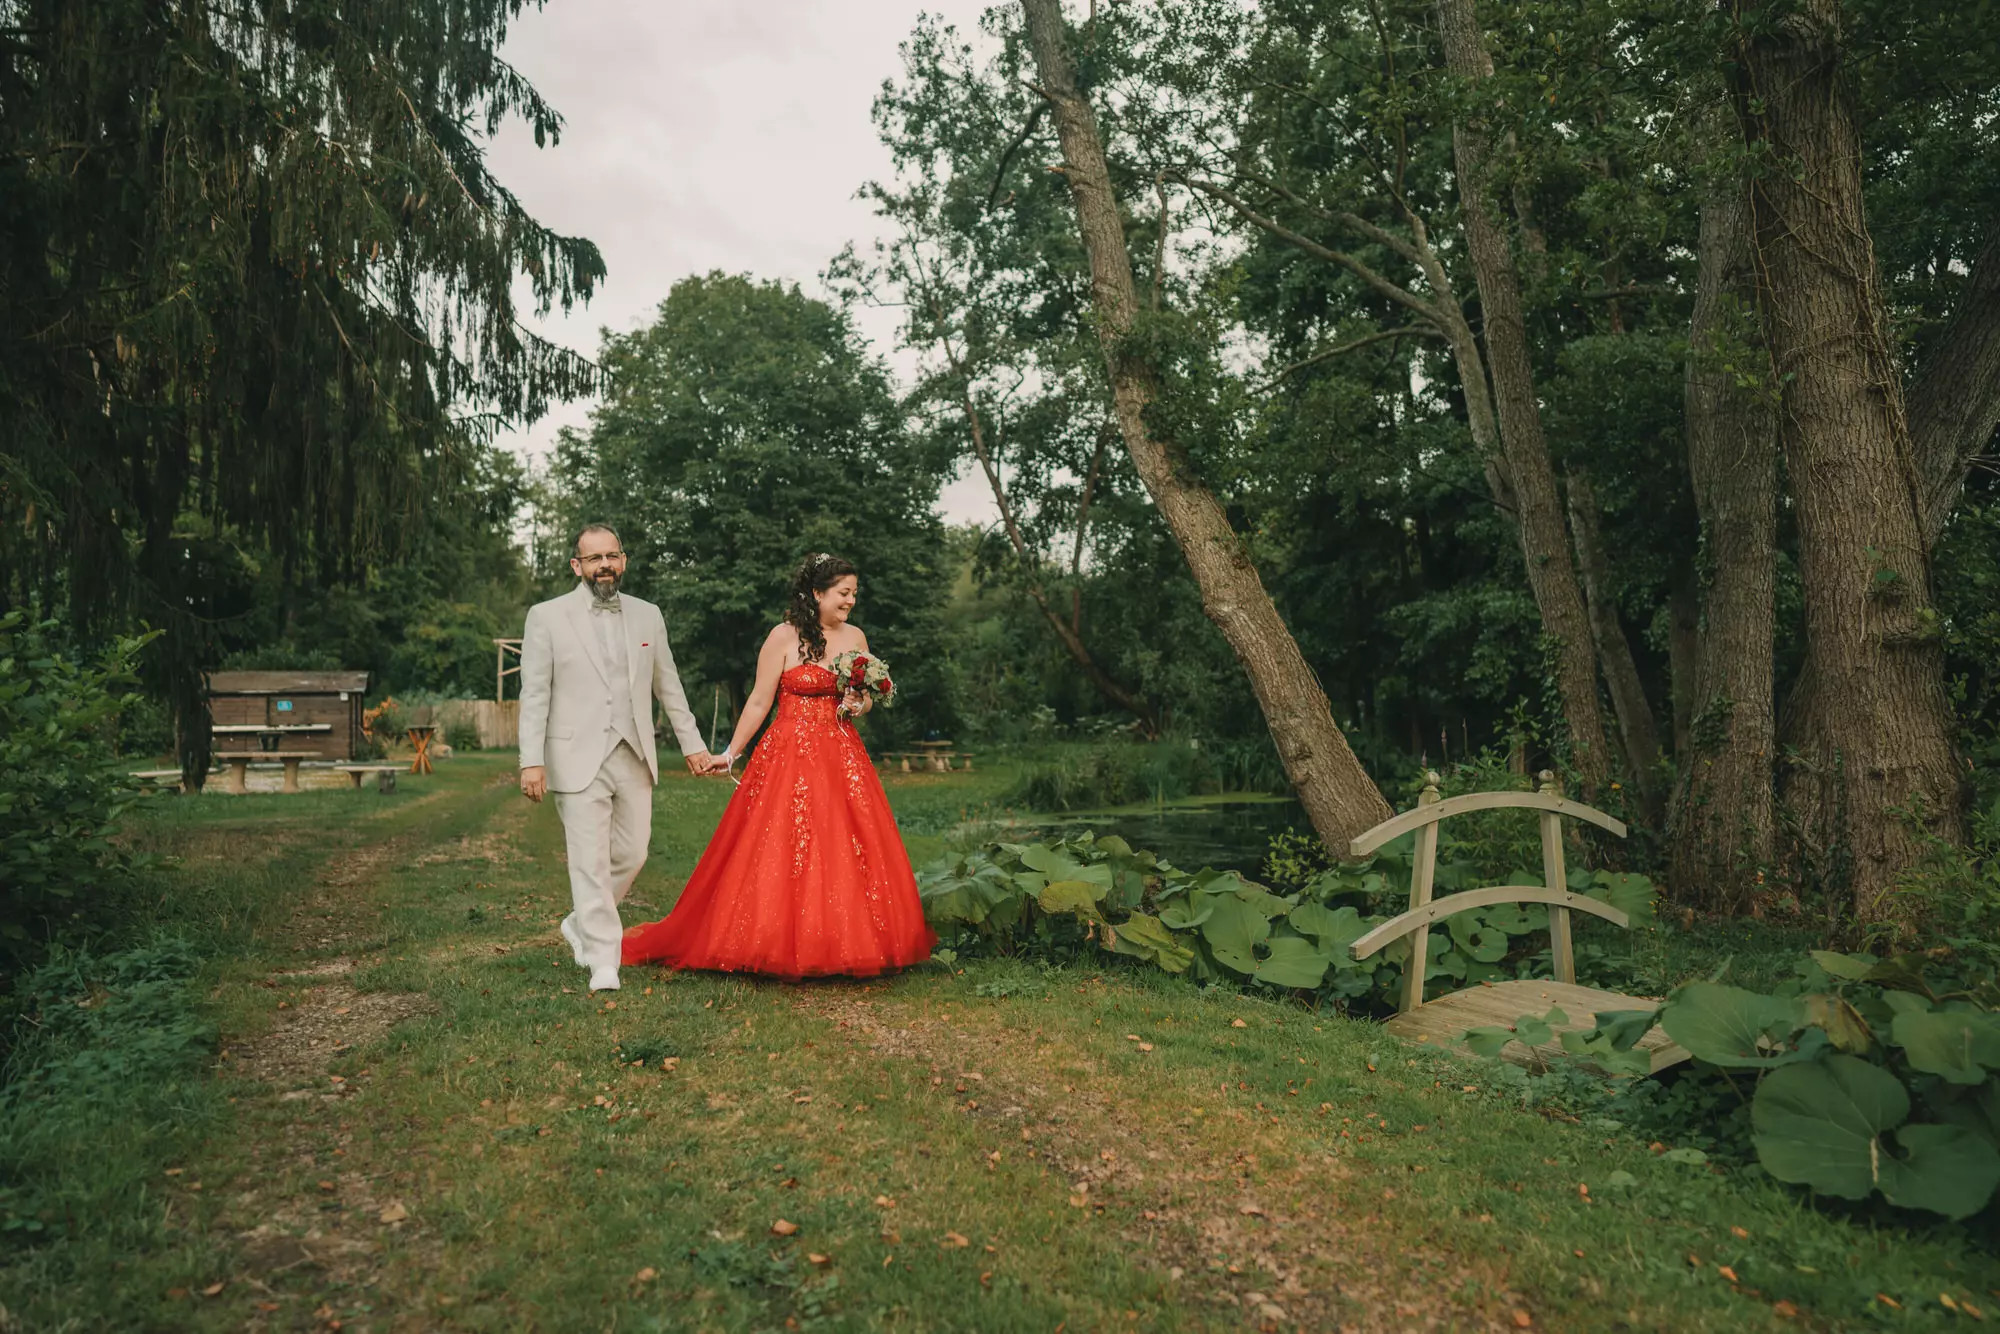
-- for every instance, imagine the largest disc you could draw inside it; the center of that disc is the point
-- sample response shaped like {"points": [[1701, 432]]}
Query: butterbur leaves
{"points": [[1827, 1123], [1961, 1046], [1233, 931], [1293, 961], [1143, 935], [1729, 1026], [1840, 1021], [1072, 896], [1334, 928]]}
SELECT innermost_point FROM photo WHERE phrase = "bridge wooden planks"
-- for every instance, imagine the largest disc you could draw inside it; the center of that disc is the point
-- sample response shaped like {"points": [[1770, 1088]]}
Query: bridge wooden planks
{"points": [[1442, 1022]]}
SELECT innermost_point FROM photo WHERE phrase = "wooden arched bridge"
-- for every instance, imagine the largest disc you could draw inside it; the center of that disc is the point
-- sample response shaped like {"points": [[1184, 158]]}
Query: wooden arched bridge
{"points": [[1442, 1022]]}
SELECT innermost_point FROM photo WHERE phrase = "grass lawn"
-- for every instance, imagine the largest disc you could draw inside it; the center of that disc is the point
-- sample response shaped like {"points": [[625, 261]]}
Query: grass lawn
{"points": [[418, 1120]]}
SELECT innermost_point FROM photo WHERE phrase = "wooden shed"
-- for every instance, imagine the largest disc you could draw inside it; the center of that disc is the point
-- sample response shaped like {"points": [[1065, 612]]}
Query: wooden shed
{"points": [[315, 712]]}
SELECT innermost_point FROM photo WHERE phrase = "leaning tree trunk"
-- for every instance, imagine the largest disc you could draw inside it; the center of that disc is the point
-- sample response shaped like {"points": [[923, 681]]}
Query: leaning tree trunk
{"points": [[1337, 793], [1869, 721], [1721, 832], [1538, 502], [1637, 728]]}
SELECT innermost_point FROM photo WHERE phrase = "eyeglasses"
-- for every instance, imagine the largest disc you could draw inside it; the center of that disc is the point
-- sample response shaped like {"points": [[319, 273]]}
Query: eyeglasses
{"points": [[589, 561]]}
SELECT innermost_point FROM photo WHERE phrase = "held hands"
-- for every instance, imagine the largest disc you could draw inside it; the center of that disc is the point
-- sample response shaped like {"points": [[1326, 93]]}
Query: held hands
{"points": [[854, 703], [701, 762]]}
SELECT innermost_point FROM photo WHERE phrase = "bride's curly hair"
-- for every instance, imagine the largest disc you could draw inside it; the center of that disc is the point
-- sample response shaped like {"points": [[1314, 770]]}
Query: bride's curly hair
{"points": [[816, 574]]}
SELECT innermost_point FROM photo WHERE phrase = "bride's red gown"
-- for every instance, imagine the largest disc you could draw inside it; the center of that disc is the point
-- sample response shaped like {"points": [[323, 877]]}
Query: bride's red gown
{"points": [[806, 875]]}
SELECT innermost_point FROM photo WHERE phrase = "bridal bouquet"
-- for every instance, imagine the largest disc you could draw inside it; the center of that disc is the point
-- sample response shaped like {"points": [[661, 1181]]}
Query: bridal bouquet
{"points": [[864, 672]]}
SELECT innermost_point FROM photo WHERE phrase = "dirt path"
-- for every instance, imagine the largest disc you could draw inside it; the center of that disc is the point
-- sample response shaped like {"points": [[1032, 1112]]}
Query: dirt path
{"points": [[1183, 1189]]}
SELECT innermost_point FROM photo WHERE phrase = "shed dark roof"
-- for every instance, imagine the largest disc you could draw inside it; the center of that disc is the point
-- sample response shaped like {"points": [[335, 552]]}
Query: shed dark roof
{"points": [[286, 683]]}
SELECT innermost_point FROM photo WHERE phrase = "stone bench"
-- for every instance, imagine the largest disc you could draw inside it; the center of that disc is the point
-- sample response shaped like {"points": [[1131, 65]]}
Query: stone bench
{"points": [[931, 761], [385, 774]]}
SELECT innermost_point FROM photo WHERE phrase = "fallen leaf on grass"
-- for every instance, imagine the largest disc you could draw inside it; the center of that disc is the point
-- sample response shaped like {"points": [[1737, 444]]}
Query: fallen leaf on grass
{"points": [[815, 1258], [393, 1212], [1888, 1301], [955, 1240], [1784, 1309], [1238, 1023], [1522, 1320], [1726, 1272], [646, 1275], [1251, 1211], [784, 1228], [214, 1289], [175, 1171], [884, 1202], [1739, 1233], [1145, 1046]]}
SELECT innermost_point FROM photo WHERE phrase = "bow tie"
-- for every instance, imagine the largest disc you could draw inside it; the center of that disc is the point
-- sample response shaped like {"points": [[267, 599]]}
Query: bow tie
{"points": [[611, 606]]}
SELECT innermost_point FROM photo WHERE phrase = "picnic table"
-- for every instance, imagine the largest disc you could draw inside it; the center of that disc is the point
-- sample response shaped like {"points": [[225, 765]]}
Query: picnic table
{"points": [[239, 763], [420, 737], [269, 735]]}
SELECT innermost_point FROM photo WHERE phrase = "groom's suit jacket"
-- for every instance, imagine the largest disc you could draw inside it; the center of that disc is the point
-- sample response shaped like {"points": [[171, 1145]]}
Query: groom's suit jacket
{"points": [[566, 722]]}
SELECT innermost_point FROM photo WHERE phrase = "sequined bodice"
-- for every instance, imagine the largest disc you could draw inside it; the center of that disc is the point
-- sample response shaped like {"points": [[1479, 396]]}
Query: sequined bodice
{"points": [[809, 679]]}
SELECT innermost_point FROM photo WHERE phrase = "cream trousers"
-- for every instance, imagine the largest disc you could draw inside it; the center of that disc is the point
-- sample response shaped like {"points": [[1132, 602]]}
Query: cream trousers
{"points": [[608, 827]]}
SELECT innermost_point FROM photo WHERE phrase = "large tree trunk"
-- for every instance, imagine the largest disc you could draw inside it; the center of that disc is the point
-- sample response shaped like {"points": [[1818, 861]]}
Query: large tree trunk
{"points": [[1721, 832], [1873, 728], [1538, 503], [1636, 726], [1955, 403], [1337, 793]]}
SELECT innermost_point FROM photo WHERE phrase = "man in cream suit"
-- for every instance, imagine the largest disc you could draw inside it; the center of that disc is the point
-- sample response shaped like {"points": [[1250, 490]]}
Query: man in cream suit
{"points": [[592, 661]]}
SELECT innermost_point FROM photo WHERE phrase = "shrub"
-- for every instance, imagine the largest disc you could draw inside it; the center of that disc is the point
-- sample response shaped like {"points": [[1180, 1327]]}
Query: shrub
{"points": [[62, 787], [461, 733]]}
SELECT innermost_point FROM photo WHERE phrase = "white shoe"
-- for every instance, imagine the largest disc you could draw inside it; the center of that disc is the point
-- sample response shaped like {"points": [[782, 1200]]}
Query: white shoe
{"points": [[604, 978], [575, 945]]}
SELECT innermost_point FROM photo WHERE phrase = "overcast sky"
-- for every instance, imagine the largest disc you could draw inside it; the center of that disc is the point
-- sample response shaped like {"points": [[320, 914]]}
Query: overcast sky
{"points": [[708, 134]]}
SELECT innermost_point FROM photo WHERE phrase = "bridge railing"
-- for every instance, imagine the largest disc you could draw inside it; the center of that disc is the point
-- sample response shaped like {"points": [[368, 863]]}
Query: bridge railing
{"points": [[1432, 810]]}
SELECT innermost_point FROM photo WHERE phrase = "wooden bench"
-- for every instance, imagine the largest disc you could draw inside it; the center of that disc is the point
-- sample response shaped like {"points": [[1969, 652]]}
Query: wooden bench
{"points": [[239, 763], [152, 779], [931, 761], [386, 774], [1443, 1022]]}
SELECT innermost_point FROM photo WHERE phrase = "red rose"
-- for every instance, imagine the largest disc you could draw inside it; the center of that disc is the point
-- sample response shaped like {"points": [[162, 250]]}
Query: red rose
{"points": [[888, 686]]}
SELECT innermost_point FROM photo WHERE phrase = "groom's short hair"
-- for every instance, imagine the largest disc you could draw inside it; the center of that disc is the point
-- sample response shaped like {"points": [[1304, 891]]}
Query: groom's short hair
{"points": [[576, 546]]}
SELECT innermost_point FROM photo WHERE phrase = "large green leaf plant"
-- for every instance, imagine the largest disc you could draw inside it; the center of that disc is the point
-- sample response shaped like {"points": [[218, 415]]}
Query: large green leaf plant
{"points": [[1872, 1077], [1219, 927]]}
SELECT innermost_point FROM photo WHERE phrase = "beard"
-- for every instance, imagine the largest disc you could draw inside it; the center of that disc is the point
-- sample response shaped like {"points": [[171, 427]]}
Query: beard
{"points": [[604, 585]]}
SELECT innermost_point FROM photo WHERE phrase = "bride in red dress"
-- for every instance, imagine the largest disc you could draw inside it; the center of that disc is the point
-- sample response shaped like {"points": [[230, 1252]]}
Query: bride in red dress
{"points": [[806, 876]]}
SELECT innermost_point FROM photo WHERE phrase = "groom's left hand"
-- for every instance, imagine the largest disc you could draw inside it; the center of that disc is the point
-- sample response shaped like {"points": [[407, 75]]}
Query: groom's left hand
{"points": [[698, 763]]}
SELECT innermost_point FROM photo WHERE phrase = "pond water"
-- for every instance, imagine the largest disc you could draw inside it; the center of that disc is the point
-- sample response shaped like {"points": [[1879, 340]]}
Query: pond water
{"points": [[1229, 833]]}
